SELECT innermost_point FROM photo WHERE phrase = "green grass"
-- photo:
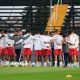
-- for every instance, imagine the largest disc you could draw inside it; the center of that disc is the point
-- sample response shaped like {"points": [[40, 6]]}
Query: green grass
{"points": [[38, 73]]}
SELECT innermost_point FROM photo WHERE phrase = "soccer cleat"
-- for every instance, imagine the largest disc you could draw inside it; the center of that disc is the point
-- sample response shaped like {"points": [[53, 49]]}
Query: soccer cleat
{"points": [[45, 64], [6, 63], [33, 64], [37, 63], [61, 64]]}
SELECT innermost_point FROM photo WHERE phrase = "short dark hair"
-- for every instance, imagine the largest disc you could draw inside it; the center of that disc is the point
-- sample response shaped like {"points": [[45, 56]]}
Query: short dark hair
{"points": [[56, 30], [5, 30], [46, 33], [70, 31]]}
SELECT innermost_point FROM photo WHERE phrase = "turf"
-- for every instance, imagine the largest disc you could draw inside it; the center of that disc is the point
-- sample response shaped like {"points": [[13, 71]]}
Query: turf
{"points": [[38, 73]]}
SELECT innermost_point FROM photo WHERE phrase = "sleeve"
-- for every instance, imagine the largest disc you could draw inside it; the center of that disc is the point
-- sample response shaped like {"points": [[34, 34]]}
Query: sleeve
{"points": [[20, 41], [62, 39], [13, 41], [77, 41], [32, 37], [69, 41], [42, 41]]}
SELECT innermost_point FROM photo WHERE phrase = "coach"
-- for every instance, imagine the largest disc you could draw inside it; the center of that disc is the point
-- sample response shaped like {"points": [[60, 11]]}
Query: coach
{"points": [[17, 37]]}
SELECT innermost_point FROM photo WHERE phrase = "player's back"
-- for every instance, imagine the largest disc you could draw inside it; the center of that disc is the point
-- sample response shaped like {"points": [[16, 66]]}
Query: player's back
{"points": [[38, 42], [57, 39]]}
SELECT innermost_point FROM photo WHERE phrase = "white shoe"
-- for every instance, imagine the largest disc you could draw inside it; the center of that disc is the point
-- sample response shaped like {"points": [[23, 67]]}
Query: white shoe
{"points": [[69, 65], [39, 63], [16, 64], [23, 64], [78, 64], [11, 63], [33, 64], [26, 63], [6, 63], [49, 63], [45, 64]]}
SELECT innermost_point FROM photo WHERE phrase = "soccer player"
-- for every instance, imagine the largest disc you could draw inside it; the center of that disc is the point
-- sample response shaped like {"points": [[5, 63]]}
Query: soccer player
{"points": [[38, 43], [27, 48], [17, 45], [47, 50], [73, 43], [4, 54], [57, 41], [0, 45], [10, 49], [65, 50]]}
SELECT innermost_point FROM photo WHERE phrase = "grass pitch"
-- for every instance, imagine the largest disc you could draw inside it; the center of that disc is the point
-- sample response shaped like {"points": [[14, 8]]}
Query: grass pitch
{"points": [[38, 73]]}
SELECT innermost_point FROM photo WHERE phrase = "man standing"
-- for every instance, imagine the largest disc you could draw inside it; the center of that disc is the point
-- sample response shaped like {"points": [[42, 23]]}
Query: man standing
{"points": [[73, 43], [38, 43], [57, 41], [47, 50], [27, 48], [18, 43]]}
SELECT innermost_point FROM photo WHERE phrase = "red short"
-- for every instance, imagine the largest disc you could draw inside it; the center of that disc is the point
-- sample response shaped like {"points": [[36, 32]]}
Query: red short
{"points": [[4, 51], [57, 52], [9, 51], [73, 51], [46, 52], [0, 50], [27, 51], [38, 52]]}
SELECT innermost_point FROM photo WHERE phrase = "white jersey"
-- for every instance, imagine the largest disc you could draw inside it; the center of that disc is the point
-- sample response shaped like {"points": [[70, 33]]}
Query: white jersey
{"points": [[1, 43], [47, 42], [11, 34], [73, 41], [57, 40], [9, 42], [4, 39], [28, 41], [38, 42], [77, 43]]}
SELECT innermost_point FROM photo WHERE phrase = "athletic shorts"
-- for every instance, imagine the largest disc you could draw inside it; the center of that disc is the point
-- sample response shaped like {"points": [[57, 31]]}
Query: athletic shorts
{"points": [[57, 51], [27, 51], [38, 52], [4, 51], [0, 50], [73, 51], [46, 52], [10, 51]]}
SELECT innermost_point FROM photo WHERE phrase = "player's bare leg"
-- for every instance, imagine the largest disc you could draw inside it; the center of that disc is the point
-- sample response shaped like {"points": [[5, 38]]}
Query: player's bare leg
{"points": [[55, 59], [0, 60], [45, 60], [26, 60], [60, 59], [37, 60], [7, 60], [75, 60], [49, 60], [29, 60]]}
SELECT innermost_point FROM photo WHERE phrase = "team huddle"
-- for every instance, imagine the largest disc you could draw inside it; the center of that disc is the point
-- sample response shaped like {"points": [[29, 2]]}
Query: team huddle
{"points": [[17, 49]]}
